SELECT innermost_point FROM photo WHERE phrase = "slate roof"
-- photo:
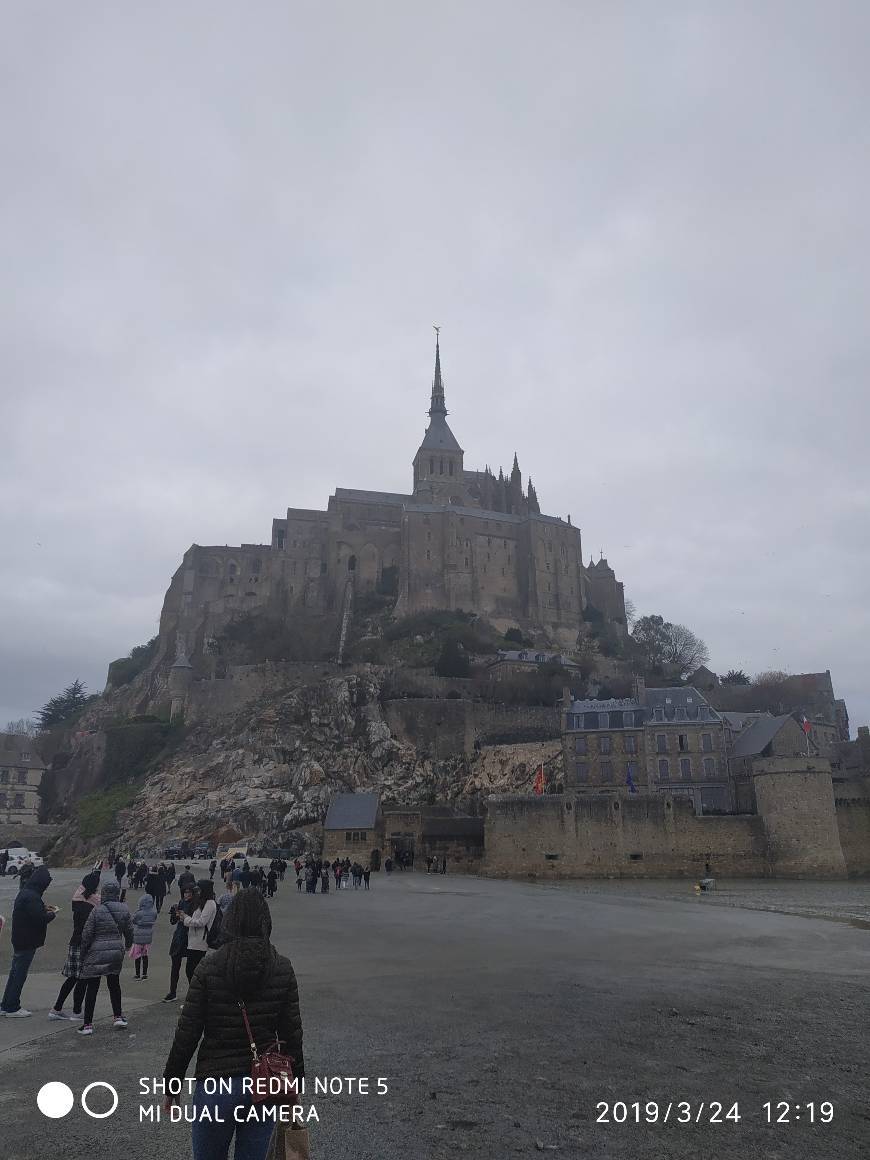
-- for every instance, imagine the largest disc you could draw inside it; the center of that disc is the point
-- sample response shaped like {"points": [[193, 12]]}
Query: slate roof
{"points": [[438, 436], [681, 704], [758, 736], [13, 747], [354, 495], [739, 721], [352, 811]]}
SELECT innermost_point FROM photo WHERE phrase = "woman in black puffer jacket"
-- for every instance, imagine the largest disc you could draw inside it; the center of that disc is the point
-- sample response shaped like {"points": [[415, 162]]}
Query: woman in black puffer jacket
{"points": [[83, 902], [246, 969]]}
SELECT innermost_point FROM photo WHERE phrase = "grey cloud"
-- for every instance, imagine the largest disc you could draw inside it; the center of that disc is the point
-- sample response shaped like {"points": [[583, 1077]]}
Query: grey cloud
{"points": [[225, 235]]}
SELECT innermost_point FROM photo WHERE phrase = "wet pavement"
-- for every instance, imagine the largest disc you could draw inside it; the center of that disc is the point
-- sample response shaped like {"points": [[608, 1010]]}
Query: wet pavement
{"points": [[502, 1015]]}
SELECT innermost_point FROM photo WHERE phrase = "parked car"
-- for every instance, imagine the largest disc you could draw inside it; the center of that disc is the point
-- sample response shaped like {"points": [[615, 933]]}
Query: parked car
{"points": [[18, 855], [202, 851]]}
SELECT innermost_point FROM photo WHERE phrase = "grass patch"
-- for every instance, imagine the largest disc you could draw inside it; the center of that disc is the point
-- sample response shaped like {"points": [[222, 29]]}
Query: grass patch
{"points": [[96, 813]]}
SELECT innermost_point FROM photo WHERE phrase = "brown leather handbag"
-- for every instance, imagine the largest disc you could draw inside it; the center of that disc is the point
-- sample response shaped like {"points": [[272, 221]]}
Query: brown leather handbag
{"points": [[266, 1067]]}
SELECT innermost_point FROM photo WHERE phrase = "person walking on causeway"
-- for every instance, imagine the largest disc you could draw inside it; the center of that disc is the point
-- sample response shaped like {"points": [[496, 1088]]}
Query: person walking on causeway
{"points": [[178, 946], [107, 932], [143, 933], [85, 898], [198, 924], [30, 918], [244, 978]]}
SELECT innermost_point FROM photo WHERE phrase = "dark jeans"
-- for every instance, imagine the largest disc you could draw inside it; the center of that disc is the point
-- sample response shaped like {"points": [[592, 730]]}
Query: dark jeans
{"points": [[193, 960], [18, 969], [174, 975], [142, 965], [80, 988], [113, 982], [211, 1140]]}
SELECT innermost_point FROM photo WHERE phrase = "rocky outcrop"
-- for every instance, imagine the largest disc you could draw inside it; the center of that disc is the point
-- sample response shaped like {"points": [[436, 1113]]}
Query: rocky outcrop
{"points": [[269, 770]]}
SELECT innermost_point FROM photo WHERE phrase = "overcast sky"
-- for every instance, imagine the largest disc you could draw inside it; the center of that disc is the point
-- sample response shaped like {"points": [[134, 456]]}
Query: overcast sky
{"points": [[227, 230]]}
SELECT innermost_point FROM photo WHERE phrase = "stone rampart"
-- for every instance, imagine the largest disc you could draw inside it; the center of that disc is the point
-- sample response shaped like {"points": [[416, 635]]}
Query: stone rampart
{"points": [[561, 836], [796, 803]]}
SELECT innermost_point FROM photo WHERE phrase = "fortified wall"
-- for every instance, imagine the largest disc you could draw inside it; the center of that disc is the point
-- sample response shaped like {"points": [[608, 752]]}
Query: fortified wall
{"points": [[852, 803], [446, 728], [560, 836], [799, 832]]}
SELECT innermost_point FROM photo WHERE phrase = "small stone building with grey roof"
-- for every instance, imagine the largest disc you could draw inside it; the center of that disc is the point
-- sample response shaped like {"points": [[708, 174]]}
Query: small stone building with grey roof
{"points": [[354, 827]]}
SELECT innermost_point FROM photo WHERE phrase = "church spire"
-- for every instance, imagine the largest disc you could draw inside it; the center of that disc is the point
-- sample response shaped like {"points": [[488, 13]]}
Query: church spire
{"points": [[437, 407]]}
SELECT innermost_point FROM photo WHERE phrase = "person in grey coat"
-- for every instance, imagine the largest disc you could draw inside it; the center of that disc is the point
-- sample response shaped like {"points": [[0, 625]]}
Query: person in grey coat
{"points": [[143, 932], [106, 935]]}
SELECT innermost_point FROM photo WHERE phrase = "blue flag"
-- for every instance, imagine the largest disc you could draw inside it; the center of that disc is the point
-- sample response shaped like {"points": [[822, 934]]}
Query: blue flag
{"points": [[629, 781]]}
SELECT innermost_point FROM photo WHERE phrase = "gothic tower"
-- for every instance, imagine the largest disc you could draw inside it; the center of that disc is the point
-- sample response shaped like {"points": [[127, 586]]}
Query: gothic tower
{"points": [[438, 462]]}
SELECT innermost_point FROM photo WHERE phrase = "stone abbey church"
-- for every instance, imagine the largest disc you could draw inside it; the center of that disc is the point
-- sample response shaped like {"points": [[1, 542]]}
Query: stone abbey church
{"points": [[459, 539]]}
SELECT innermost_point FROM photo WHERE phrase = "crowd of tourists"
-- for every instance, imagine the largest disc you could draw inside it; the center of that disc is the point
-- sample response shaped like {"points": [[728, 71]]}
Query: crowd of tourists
{"points": [[314, 872], [243, 994]]}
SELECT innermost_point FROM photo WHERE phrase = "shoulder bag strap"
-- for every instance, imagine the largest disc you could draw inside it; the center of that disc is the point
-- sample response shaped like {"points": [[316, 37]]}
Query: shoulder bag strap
{"points": [[250, 1033]]}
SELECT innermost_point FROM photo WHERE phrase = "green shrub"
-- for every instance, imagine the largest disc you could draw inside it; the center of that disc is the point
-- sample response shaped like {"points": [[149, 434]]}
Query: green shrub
{"points": [[453, 661], [130, 750], [96, 813], [122, 672]]}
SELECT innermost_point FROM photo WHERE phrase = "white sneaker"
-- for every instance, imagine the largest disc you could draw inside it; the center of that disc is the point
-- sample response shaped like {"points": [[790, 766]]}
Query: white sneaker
{"points": [[55, 1015], [119, 1022], [87, 1029], [21, 1013]]}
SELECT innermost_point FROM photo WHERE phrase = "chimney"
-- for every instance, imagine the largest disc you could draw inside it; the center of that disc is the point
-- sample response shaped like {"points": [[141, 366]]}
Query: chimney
{"points": [[638, 690]]}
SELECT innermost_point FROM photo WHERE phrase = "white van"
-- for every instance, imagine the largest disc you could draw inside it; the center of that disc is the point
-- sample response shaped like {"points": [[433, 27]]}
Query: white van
{"points": [[18, 855]]}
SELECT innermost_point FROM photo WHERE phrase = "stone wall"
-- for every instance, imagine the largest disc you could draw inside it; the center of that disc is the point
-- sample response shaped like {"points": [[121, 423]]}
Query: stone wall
{"points": [[509, 724], [34, 837], [424, 683], [436, 728], [852, 803], [445, 728], [560, 836], [244, 684], [460, 855], [337, 845], [796, 804]]}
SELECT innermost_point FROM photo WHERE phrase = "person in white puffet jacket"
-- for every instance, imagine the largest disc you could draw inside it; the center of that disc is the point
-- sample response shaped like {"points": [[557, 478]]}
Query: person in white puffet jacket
{"points": [[198, 925]]}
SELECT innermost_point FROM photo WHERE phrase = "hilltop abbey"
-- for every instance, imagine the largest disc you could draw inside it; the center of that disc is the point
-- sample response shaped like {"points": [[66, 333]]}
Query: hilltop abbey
{"points": [[459, 539]]}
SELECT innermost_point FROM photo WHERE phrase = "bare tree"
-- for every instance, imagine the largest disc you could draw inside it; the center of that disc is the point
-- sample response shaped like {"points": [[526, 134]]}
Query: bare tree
{"points": [[24, 726], [663, 645], [685, 651]]}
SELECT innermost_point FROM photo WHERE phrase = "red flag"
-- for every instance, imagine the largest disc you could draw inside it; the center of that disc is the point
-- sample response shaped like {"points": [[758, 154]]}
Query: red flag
{"points": [[805, 725], [539, 779]]}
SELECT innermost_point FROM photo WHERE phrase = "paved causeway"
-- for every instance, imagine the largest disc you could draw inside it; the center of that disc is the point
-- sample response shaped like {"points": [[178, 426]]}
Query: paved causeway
{"points": [[501, 1014]]}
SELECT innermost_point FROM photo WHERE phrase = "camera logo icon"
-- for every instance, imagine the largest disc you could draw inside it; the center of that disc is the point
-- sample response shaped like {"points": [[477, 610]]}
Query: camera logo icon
{"points": [[55, 1100]]}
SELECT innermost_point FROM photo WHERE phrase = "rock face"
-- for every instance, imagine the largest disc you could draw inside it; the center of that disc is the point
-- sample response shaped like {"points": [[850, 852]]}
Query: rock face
{"points": [[268, 771]]}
